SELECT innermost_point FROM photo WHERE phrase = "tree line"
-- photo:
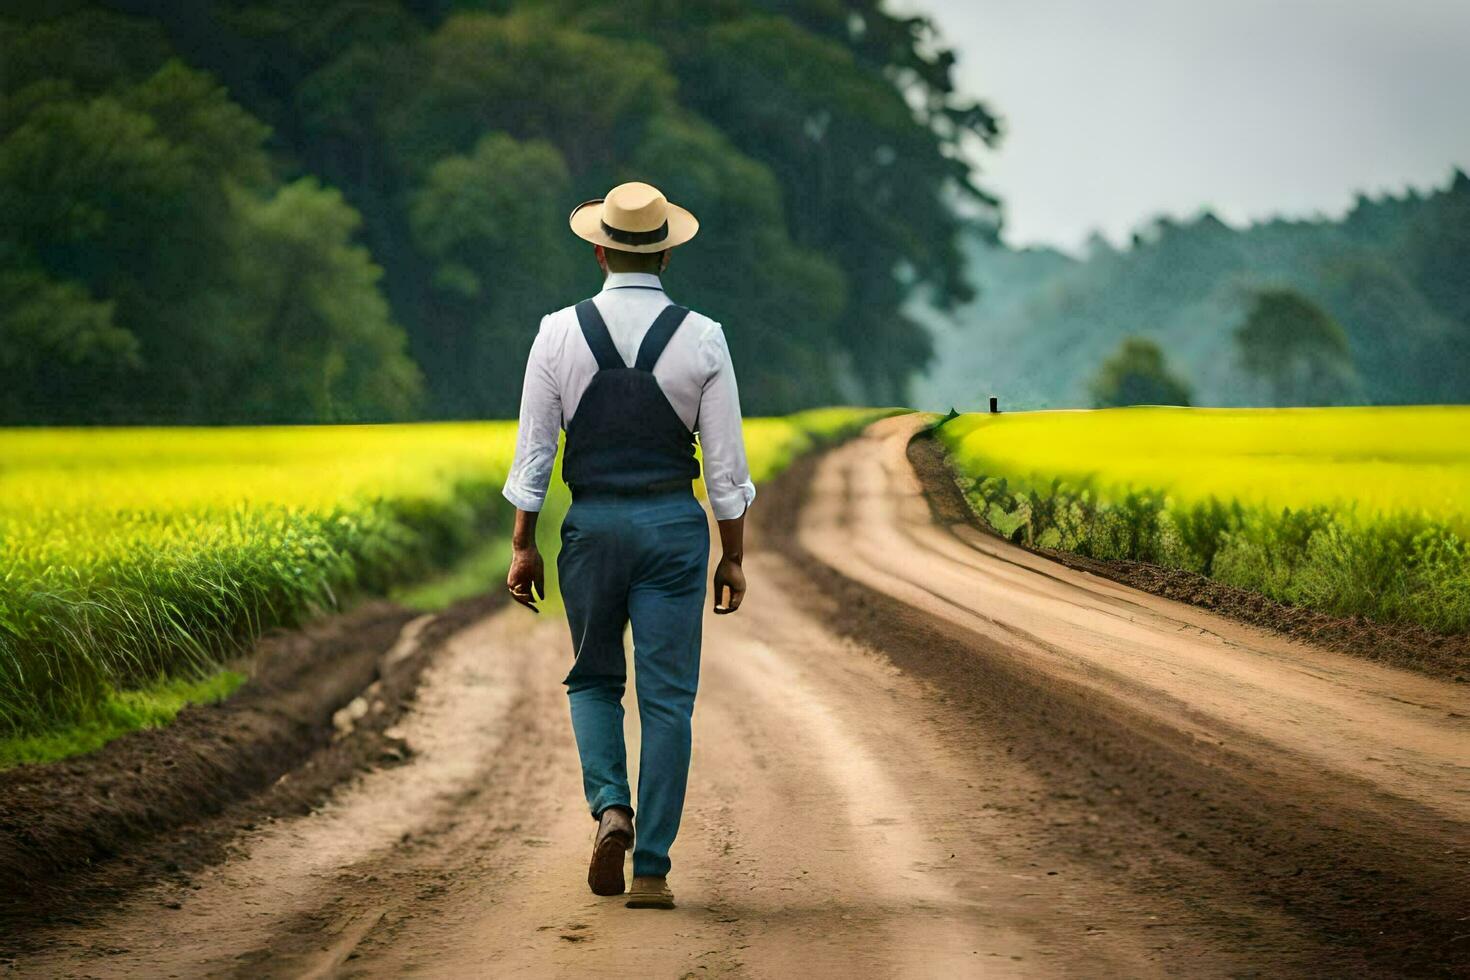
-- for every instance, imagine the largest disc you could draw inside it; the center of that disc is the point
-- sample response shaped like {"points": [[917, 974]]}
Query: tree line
{"points": [[263, 210], [1372, 308]]}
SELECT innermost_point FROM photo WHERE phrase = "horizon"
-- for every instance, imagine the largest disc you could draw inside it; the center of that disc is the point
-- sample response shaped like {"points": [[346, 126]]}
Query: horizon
{"points": [[1079, 250]]}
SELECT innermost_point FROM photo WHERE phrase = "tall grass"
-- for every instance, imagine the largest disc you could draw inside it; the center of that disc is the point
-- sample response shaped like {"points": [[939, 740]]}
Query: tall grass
{"points": [[131, 555], [1353, 512]]}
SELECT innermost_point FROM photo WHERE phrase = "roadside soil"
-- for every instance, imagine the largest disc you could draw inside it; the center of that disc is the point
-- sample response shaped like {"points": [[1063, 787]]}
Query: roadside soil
{"points": [[919, 751]]}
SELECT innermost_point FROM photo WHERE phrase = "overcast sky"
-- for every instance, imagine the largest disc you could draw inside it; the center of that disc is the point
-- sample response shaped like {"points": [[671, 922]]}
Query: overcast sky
{"points": [[1117, 110]]}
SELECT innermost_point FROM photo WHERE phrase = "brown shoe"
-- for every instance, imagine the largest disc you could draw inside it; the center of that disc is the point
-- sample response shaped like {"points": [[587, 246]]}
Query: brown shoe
{"points": [[650, 892], [614, 838]]}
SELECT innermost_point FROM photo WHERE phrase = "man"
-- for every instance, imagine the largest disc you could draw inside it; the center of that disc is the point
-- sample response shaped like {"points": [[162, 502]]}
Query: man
{"points": [[630, 376]]}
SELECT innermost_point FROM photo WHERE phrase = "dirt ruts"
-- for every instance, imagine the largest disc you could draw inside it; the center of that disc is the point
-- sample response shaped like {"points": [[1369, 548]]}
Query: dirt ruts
{"points": [[89, 828], [1380, 878]]}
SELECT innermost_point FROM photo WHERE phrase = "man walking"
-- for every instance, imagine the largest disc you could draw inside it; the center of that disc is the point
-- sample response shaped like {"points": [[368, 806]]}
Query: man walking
{"points": [[631, 376]]}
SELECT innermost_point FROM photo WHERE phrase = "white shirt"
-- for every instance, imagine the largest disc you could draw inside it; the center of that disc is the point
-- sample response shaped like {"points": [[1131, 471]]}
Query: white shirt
{"points": [[694, 372]]}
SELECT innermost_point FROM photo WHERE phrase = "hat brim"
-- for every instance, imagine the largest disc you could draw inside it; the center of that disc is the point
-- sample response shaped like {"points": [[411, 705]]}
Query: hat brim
{"points": [[586, 222]]}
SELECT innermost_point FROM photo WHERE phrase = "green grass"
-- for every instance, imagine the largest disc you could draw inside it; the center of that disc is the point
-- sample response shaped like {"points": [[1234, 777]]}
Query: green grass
{"points": [[117, 713], [129, 555], [1350, 511], [479, 571]]}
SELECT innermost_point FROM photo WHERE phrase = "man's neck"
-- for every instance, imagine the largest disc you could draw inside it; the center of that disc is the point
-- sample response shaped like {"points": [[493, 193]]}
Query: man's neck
{"points": [[638, 280]]}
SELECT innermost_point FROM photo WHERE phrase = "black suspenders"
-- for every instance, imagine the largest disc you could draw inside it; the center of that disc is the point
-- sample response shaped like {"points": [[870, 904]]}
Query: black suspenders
{"points": [[594, 330]]}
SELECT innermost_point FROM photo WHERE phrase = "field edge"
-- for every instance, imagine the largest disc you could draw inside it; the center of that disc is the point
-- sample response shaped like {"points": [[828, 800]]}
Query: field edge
{"points": [[1403, 645]]}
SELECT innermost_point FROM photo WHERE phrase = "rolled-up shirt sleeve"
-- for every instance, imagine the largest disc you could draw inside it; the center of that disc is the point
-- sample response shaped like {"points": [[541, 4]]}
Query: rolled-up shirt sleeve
{"points": [[537, 432], [726, 472]]}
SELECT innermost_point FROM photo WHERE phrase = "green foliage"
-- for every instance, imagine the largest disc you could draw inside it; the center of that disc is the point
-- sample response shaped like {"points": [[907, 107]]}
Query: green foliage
{"points": [[530, 76], [1402, 570], [1137, 375], [47, 323], [1390, 273], [780, 302], [153, 268], [1297, 348], [860, 176], [91, 48], [116, 714], [321, 344], [1439, 253], [822, 147], [476, 218]]}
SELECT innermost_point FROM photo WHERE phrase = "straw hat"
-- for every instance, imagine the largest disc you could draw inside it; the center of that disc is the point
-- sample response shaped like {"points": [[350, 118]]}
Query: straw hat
{"points": [[634, 217]]}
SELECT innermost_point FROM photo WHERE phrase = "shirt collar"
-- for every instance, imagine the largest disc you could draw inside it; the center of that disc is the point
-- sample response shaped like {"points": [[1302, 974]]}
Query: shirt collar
{"points": [[622, 280]]}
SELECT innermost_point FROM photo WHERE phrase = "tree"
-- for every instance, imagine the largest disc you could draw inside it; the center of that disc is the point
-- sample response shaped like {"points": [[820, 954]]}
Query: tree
{"points": [[1389, 272], [1413, 355], [323, 343], [1439, 250], [1136, 374], [493, 226], [1296, 348], [781, 302], [867, 180], [57, 345], [1438, 259]]}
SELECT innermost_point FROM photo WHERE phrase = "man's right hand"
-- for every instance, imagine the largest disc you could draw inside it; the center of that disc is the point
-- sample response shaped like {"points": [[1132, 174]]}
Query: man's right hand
{"points": [[729, 586], [527, 578]]}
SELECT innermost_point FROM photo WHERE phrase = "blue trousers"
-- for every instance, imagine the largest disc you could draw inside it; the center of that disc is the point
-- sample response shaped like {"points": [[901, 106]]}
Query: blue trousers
{"points": [[638, 559]]}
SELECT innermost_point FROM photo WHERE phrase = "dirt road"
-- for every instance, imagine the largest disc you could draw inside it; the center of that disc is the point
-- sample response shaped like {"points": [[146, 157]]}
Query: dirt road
{"points": [[918, 752]]}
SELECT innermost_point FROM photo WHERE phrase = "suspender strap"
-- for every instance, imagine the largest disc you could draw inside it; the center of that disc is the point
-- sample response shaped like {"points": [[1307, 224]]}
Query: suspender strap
{"points": [[658, 336], [594, 328]]}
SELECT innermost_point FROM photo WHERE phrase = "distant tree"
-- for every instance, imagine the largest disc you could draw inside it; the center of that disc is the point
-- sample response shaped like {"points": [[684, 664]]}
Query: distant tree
{"points": [[1392, 273], [1439, 250], [492, 224], [1296, 348], [322, 342], [1136, 374], [1411, 345], [1439, 261]]}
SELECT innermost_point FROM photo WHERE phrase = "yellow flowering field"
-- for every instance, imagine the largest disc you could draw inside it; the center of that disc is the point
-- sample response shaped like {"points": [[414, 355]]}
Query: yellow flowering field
{"points": [[132, 554]]}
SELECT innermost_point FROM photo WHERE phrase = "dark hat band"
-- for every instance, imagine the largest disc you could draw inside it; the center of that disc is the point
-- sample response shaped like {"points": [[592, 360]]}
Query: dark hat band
{"points": [[636, 237]]}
